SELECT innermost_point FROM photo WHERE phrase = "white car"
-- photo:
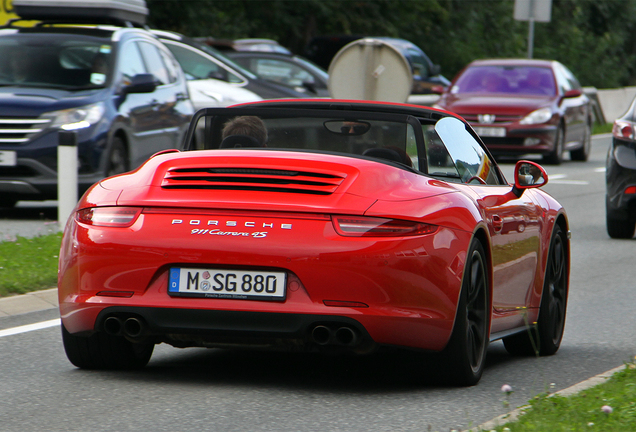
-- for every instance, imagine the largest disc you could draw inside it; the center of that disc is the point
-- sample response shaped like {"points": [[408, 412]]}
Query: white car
{"points": [[207, 93]]}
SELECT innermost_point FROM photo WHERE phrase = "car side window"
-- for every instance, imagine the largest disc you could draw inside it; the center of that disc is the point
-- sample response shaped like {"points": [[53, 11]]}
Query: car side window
{"points": [[438, 160], [154, 62], [569, 76], [197, 66], [418, 63], [470, 160], [172, 67], [281, 71], [130, 62], [562, 81]]}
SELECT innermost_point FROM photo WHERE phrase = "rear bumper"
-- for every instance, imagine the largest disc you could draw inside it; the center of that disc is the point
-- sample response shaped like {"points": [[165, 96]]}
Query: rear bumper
{"points": [[186, 327], [404, 291]]}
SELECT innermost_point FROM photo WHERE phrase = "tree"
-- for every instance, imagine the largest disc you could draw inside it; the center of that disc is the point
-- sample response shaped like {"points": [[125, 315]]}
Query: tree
{"points": [[582, 34]]}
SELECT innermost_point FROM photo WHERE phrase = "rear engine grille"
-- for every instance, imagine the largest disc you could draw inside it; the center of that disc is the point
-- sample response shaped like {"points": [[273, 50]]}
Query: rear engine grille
{"points": [[252, 179], [20, 130]]}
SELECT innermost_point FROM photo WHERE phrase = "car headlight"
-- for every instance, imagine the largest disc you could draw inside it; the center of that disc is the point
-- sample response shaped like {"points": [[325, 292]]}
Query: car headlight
{"points": [[542, 115], [77, 118]]}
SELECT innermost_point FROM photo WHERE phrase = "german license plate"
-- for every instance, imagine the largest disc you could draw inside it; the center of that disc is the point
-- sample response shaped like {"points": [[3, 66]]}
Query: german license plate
{"points": [[229, 284], [8, 158], [491, 131]]}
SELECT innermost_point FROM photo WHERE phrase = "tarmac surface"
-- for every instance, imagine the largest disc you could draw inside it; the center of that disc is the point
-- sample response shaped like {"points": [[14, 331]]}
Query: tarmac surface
{"points": [[48, 299]]}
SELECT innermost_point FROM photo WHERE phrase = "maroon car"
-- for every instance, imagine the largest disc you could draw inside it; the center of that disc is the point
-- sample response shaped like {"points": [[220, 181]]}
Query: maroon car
{"points": [[520, 106]]}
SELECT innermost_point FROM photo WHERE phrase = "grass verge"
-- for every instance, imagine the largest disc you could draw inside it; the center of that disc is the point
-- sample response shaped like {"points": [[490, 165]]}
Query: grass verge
{"points": [[601, 128], [610, 406], [29, 264]]}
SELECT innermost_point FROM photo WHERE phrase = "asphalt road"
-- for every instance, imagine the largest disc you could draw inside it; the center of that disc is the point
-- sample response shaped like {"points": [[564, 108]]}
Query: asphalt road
{"points": [[199, 389]]}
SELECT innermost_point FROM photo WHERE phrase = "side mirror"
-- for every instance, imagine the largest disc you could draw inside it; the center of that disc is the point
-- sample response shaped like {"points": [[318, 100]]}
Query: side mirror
{"points": [[528, 175], [572, 93], [141, 83]]}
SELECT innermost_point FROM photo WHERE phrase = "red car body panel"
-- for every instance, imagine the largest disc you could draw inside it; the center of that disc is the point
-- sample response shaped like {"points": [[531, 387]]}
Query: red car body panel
{"points": [[403, 291]]}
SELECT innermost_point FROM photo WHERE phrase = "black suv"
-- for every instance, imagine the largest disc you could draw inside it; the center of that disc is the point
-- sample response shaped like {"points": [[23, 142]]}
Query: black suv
{"points": [[119, 88]]}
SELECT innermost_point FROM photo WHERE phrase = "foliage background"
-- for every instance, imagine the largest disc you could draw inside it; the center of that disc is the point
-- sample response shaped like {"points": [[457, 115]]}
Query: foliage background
{"points": [[592, 37]]}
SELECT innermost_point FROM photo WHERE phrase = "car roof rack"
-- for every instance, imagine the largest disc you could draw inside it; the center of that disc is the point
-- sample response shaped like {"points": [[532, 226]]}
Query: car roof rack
{"points": [[125, 13]]}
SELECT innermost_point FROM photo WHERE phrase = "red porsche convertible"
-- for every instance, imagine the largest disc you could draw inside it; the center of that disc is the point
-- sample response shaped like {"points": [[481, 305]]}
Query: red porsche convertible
{"points": [[354, 226]]}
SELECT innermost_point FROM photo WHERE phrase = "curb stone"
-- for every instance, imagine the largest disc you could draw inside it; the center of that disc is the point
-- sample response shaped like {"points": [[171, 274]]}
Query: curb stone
{"points": [[30, 302]]}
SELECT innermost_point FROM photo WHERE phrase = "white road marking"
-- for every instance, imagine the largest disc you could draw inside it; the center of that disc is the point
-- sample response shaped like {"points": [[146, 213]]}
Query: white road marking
{"points": [[30, 327], [570, 182]]}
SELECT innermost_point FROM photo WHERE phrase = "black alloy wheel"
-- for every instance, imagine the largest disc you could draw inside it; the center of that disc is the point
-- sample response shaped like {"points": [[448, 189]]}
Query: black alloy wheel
{"points": [[117, 158], [545, 338], [556, 156], [465, 353]]}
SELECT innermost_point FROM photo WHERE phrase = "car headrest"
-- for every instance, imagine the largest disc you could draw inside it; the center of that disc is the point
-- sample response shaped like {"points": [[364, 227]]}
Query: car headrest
{"points": [[383, 153], [239, 141]]}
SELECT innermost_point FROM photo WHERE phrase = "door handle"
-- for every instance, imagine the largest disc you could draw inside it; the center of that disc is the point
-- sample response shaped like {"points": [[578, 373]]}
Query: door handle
{"points": [[497, 223]]}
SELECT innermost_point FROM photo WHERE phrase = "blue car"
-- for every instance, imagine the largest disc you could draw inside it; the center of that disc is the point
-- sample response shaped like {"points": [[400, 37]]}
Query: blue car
{"points": [[118, 87]]}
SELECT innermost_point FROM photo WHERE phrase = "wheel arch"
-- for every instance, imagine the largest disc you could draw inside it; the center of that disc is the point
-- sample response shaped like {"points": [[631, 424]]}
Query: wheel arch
{"points": [[561, 222], [481, 235], [121, 134]]}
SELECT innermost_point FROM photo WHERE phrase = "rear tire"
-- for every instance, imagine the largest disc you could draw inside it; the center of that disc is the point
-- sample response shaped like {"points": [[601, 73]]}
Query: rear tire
{"points": [[556, 156], [117, 158], [102, 351], [465, 354], [618, 226], [583, 154], [545, 338]]}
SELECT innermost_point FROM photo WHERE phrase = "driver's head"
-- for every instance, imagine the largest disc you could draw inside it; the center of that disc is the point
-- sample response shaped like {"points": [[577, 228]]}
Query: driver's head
{"points": [[246, 125]]}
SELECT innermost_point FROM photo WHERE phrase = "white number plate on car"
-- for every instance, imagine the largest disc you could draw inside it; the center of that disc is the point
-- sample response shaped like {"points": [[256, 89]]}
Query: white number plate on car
{"points": [[8, 158], [230, 284], [491, 131]]}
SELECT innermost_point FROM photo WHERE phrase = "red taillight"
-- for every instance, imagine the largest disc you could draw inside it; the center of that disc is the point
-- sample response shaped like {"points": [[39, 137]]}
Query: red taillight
{"points": [[623, 130], [117, 217], [630, 190], [352, 226]]}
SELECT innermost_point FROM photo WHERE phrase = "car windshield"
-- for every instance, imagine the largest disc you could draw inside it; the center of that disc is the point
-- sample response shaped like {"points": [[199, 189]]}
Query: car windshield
{"points": [[443, 148], [348, 133], [55, 61], [525, 80], [313, 67], [225, 59]]}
